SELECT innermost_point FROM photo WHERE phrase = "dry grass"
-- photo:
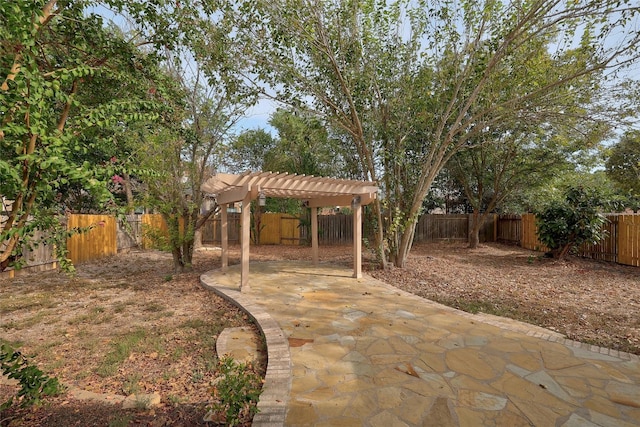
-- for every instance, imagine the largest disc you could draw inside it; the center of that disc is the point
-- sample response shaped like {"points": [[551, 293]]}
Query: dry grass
{"points": [[123, 325]]}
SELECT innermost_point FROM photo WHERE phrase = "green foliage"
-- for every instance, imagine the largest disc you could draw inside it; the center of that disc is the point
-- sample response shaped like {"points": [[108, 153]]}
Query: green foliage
{"points": [[236, 390], [34, 384], [157, 238], [623, 163], [67, 84], [405, 85], [185, 150], [565, 224], [303, 145]]}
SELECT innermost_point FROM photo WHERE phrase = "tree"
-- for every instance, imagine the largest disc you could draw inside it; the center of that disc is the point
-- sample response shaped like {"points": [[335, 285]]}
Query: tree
{"points": [[491, 173], [413, 83], [53, 58], [251, 150], [70, 90], [303, 146], [184, 152], [565, 224], [623, 164]]}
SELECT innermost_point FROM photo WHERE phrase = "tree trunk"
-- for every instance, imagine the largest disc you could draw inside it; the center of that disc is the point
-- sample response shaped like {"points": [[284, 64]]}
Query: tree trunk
{"points": [[476, 224], [561, 253], [178, 266], [406, 242], [187, 254], [197, 239], [379, 235], [128, 193]]}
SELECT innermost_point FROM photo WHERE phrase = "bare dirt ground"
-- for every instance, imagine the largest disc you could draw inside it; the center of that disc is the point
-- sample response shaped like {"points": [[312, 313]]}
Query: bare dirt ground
{"points": [[124, 325], [166, 324]]}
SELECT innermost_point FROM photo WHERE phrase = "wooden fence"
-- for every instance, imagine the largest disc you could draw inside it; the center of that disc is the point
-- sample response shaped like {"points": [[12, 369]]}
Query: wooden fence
{"points": [[107, 236], [529, 237], [629, 239], [509, 229], [335, 229], [453, 227], [211, 230], [37, 258], [621, 244], [99, 241], [154, 227]]}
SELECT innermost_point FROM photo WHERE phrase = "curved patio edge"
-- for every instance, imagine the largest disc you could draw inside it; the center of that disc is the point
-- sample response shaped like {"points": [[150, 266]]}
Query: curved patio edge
{"points": [[277, 382]]}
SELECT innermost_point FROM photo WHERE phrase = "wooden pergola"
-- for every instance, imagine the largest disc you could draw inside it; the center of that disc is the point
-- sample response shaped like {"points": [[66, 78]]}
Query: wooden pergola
{"points": [[316, 191]]}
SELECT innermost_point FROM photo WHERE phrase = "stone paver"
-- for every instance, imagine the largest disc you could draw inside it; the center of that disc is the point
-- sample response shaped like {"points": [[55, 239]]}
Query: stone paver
{"points": [[241, 344], [360, 352]]}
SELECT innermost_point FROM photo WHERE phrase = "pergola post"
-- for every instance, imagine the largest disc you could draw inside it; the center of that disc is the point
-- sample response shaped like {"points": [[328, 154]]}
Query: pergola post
{"points": [[246, 237], [357, 237], [224, 236], [314, 235]]}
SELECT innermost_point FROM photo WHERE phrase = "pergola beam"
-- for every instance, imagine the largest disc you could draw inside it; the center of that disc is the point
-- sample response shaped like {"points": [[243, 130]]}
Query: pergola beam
{"points": [[346, 200]]}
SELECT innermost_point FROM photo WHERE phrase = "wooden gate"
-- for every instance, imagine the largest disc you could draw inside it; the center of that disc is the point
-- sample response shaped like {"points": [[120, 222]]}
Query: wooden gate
{"points": [[289, 230], [279, 229], [99, 241], [270, 229]]}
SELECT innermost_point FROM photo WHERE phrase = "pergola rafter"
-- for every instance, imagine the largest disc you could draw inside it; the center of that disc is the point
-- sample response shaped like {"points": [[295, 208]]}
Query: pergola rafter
{"points": [[316, 191]]}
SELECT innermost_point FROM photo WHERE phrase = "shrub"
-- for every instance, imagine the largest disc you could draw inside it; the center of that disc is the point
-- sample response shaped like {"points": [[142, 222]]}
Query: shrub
{"points": [[236, 390], [564, 225], [34, 384]]}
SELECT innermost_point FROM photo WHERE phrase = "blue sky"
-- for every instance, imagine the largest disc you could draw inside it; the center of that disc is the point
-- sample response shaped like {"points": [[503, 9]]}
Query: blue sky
{"points": [[258, 117]]}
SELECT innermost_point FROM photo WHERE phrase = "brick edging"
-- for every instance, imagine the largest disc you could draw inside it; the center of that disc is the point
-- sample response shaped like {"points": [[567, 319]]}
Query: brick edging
{"points": [[277, 381]]}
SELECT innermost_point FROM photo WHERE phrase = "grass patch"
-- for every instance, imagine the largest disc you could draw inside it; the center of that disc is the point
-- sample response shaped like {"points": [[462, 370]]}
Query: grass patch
{"points": [[90, 344], [177, 354], [120, 420], [132, 384], [119, 307], [502, 309], [204, 335], [197, 324], [25, 323], [122, 347], [474, 307], [26, 302], [97, 310], [174, 400], [153, 343], [167, 375], [81, 318], [153, 307]]}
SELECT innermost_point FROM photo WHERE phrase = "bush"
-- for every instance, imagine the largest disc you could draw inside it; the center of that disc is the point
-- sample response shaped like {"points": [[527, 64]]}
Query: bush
{"points": [[33, 383], [564, 225], [236, 390]]}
